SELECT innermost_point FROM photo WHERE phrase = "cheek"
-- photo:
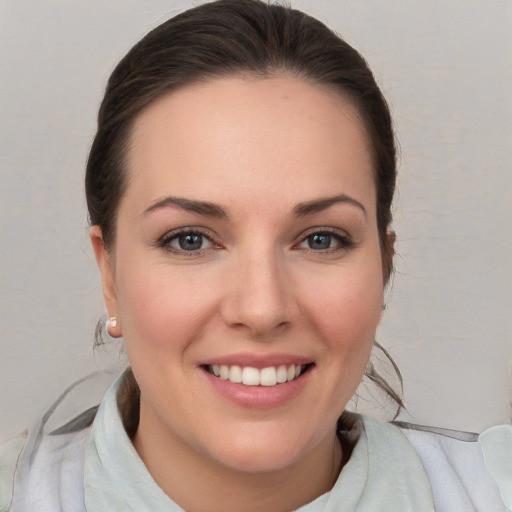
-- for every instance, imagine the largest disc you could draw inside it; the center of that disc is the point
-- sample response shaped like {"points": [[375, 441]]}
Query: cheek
{"points": [[347, 309], [159, 309]]}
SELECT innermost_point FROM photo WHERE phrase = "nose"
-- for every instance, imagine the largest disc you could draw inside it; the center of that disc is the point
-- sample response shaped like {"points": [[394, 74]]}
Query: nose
{"points": [[260, 298]]}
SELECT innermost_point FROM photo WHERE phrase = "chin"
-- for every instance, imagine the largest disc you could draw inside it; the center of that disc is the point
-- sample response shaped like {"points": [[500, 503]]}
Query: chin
{"points": [[256, 460], [261, 451]]}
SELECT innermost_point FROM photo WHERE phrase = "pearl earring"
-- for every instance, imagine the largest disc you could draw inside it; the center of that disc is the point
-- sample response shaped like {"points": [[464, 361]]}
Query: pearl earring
{"points": [[111, 323]]}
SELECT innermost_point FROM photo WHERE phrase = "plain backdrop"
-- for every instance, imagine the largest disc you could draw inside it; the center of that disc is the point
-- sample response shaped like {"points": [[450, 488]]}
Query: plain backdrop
{"points": [[445, 68]]}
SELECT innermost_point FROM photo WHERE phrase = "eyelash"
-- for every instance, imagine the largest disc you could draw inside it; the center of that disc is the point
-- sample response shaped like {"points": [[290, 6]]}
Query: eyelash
{"points": [[168, 238], [343, 241]]}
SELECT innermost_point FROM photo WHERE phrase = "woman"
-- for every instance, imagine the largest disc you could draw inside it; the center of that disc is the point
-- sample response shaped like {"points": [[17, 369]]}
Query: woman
{"points": [[239, 189]]}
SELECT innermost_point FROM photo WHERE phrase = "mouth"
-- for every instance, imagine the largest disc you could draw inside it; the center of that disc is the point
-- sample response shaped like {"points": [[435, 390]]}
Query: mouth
{"points": [[250, 376]]}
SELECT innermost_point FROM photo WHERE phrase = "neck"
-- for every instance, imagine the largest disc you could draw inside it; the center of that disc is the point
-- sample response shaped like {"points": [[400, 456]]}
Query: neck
{"points": [[199, 483]]}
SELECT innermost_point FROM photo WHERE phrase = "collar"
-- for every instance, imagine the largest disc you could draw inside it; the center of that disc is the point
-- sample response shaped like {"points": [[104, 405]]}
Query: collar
{"points": [[383, 473]]}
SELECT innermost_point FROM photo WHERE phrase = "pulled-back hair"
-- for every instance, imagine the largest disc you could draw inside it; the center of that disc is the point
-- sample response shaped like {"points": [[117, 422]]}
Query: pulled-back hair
{"points": [[230, 37]]}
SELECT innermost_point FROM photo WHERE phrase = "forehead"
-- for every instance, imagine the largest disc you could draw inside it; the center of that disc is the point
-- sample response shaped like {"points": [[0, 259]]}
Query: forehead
{"points": [[251, 134]]}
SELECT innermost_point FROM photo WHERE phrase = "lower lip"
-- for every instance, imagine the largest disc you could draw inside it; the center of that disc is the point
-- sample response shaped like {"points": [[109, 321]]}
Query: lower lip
{"points": [[258, 397]]}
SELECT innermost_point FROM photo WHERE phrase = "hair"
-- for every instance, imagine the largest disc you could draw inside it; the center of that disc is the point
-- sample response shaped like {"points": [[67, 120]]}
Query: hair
{"points": [[226, 38]]}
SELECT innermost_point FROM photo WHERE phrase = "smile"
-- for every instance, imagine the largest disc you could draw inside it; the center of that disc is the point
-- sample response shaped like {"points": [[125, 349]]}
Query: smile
{"points": [[249, 376]]}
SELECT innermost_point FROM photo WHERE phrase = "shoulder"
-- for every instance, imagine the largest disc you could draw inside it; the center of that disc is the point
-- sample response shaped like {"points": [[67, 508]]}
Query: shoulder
{"points": [[9, 456], [42, 470], [471, 470], [43, 473]]}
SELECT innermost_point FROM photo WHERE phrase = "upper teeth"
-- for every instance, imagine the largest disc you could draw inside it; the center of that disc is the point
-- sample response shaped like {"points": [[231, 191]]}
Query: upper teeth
{"points": [[254, 377]]}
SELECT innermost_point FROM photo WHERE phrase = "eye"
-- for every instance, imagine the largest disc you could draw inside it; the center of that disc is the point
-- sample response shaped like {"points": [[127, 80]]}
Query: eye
{"points": [[320, 241], [186, 241], [325, 241]]}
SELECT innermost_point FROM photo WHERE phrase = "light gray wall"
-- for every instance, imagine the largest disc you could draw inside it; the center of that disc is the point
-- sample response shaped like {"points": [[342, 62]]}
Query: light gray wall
{"points": [[446, 70]]}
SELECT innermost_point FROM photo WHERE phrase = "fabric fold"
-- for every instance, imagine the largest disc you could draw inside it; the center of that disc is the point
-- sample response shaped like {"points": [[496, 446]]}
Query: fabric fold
{"points": [[496, 443]]}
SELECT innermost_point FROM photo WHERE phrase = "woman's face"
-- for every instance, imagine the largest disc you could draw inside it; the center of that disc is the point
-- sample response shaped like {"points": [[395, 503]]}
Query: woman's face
{"points": [[246, 245]]}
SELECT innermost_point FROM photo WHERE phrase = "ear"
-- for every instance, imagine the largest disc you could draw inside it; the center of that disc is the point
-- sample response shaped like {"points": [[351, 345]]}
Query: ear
{"points": [[107, 271], [388, 251]]}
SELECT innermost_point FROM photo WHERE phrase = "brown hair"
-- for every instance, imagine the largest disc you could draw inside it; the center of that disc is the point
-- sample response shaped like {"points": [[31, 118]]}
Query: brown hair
{"points": [[229, 37]]}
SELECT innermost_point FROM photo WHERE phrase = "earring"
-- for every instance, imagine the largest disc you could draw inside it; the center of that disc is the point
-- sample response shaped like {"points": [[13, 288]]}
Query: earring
{"points": [[111, 323]]}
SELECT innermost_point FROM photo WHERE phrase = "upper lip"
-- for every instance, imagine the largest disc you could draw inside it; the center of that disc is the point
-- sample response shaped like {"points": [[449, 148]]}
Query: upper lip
{"points": [[257, 360]]}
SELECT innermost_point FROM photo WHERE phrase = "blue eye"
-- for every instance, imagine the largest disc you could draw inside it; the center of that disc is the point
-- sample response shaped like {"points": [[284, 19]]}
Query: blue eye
{"points": [[186, 241], [319, 241], [325, 241], [190, 241]]}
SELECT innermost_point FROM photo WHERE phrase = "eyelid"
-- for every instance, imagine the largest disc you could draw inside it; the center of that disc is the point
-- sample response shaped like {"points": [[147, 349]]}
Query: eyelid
{"points": [[164, 241], [344, 239], [323, 229]]}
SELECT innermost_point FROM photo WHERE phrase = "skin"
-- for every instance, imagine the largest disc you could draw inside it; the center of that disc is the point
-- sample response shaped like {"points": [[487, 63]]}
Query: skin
{"points": [[258, 148]]}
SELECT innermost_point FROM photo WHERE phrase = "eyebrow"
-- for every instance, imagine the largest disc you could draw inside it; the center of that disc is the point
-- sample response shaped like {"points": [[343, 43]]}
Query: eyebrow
{"points": [[190, 205], [215, 210], [318, 205]]}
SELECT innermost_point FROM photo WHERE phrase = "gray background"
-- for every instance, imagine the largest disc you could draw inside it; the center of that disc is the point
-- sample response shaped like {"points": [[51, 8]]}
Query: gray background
{"points": [[446, 70]]}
